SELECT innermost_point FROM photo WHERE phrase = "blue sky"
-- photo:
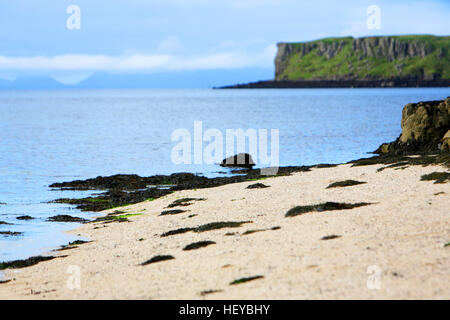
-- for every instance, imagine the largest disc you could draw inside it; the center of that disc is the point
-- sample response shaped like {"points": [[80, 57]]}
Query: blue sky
{"points": [[126, 36]]}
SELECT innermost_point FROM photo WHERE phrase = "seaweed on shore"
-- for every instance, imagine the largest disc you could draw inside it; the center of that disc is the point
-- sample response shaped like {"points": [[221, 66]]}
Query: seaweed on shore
{"points": [[394, 165], [66, 218], [198, 245], [206, 292], [184, 202], [326, 206], [17, 264], [206, 227], [246, 279], [330, 237], [4, 281], [257, 186], [171, 212], [11, 233], [345, 183], [423, 159], [220, 225], [158, 258], [439, 177], [176, 231], [72, 245], [124, 190]]}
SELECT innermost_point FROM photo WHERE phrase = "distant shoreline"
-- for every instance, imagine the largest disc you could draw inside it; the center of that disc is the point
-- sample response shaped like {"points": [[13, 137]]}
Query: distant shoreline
{"points": [[389, 83]]}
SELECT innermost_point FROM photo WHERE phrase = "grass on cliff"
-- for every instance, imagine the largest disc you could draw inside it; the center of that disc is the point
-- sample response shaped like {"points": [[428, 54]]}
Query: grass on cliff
{"points": [[350, 63]]}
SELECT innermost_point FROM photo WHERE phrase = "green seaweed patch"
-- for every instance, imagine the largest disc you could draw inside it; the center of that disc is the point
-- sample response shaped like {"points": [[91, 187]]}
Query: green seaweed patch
{"points": [[447, 245], [330, 237], [246, 279], [158, 258], [258, 179], [198, 245], [438, 177], [345, 183], [327, 206]]}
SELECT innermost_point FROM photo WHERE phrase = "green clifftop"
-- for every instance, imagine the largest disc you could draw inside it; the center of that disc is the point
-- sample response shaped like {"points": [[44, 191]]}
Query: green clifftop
{"points": [[420, 57]]}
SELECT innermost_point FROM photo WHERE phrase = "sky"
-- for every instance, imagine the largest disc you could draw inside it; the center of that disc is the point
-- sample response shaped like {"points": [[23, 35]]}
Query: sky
{"points": [[48, 38]]}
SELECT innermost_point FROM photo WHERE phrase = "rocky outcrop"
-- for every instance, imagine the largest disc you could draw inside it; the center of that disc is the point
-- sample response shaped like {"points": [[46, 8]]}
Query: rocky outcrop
{"points": [[425, 128]]}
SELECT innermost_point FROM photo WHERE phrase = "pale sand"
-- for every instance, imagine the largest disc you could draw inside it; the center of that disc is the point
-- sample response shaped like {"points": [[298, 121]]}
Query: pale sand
{"points": [[403, 234]]}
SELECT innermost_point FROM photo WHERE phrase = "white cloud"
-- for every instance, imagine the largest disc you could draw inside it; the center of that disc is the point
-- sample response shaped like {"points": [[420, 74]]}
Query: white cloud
{"points": [[152, 62]]}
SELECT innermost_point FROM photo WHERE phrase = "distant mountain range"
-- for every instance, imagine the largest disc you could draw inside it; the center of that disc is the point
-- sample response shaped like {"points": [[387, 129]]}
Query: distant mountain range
{"points": [[186, 79]]}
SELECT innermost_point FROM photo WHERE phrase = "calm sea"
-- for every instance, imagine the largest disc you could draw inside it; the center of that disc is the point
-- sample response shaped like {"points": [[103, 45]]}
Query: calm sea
{"points": [[54, 136]]}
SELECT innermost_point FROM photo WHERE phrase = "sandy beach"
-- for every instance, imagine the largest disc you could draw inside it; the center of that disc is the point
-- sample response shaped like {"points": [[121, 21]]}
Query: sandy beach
{"points": [[393, 248]]}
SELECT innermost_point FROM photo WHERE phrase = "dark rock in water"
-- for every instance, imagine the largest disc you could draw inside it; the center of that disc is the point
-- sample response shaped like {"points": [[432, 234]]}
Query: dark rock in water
{"points": [[257, 186], [345, 183], [157, 259], [10, 233], [424, 129], [241, 160], [5, 223], [24, 218], [16, 264], [327, 206], [66, 218]]}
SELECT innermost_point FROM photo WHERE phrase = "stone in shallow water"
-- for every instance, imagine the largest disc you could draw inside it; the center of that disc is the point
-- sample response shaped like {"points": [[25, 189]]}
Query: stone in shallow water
{"points": [[240, 160], [24, 218]]}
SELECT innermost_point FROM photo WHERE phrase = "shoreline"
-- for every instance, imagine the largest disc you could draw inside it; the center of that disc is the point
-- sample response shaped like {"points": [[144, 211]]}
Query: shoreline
{"points": [[398, 212], [330, 84]]}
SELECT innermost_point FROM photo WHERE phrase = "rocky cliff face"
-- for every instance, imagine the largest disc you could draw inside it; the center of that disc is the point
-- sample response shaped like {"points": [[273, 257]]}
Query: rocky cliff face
{"points": [[425, 128], [420, 57]]}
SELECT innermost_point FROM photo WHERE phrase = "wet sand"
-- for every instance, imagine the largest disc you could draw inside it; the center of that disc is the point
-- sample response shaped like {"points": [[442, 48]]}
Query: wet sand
{"points": [[394, 248]]}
